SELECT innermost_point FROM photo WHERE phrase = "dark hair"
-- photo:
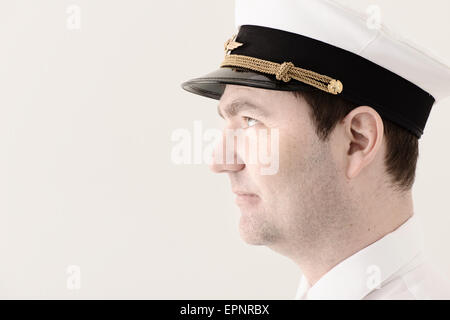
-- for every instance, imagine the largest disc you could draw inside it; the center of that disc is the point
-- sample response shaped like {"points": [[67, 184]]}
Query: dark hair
{"points": [[402, 147]]}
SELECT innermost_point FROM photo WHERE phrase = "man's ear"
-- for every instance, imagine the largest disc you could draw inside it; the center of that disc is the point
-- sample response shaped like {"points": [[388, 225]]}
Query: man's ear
{"points": [[364, 132]]}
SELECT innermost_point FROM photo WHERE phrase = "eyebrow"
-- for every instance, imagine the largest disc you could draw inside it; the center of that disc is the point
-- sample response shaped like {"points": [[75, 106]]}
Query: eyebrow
{"points": [[237, 106]]}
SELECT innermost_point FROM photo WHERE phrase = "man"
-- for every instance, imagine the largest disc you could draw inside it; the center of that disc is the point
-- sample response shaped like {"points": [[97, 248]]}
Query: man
{"points": [[349, 104]]}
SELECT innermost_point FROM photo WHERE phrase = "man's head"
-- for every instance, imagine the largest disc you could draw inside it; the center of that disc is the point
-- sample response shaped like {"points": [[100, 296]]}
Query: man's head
{"points": [[334, 158], [344, 173]]}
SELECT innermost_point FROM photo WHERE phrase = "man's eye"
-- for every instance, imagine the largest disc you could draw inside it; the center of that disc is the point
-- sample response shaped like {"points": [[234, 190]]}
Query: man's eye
{"points": [[250, 121]]}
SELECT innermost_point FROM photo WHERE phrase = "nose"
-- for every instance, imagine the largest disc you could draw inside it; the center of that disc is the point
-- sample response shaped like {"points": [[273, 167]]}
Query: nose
{"points": [[225, 157]]}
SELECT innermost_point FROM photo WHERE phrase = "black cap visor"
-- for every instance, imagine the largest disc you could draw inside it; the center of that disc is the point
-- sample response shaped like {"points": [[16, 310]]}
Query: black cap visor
{"points": [[213, 84]]}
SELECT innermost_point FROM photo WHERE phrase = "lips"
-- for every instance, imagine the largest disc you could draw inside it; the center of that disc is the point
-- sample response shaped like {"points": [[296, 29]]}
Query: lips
{"points": [[245, 198], [244, 193]]}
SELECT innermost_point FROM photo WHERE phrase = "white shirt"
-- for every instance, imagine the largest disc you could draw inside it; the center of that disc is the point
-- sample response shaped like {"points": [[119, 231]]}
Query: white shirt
{"points": [[394, 267]]}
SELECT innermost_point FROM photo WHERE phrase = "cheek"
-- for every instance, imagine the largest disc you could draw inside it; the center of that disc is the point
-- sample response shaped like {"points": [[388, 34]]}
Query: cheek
{"points": [[296, 173], [294, 149], [258, 145], [275, 158], [290, 154]]}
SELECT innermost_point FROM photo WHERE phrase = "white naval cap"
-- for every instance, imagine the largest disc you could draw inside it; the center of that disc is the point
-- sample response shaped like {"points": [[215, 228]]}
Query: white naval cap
{"points": [[348, 29], [322, 45]]}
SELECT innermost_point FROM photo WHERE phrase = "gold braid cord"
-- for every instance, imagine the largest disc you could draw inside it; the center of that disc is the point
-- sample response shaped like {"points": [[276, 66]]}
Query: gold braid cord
{"points": [[285, 71]]}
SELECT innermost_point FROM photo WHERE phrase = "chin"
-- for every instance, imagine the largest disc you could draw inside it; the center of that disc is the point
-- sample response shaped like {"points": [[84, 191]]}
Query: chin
{"points": [[258, 234], [253, 240]]}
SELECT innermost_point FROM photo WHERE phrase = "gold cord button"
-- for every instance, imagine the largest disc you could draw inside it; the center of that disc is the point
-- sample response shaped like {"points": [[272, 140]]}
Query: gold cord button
{"points": [[335, 86]]}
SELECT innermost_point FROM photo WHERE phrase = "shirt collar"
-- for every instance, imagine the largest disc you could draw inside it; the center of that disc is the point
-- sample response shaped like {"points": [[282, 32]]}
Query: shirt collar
{"points": [[364, 271]]}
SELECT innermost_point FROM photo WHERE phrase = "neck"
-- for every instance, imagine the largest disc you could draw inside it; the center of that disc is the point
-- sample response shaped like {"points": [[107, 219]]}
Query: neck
{"points": [[315, 258]]}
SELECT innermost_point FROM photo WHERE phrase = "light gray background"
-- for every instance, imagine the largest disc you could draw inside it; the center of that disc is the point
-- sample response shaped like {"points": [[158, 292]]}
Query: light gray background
{"points": [[86, 179]]}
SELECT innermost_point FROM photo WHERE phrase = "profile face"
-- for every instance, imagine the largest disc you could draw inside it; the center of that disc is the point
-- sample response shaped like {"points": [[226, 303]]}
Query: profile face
{"points": [[292, 202]]}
